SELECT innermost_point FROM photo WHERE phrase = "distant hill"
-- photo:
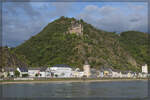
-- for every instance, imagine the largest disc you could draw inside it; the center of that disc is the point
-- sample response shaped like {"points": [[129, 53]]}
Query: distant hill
{"points": [[71, 41]]}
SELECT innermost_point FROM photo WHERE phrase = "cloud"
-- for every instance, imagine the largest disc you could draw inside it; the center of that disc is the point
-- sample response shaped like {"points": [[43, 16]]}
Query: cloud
{"points": [[23, 20], [61, 8], [115, 18]]}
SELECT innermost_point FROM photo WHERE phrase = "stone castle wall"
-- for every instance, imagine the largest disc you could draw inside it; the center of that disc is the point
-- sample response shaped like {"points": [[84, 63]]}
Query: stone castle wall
{"points": [[76, 29]]}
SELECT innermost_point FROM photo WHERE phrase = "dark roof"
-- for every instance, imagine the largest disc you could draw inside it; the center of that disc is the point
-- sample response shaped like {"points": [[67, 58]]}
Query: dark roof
{"points": [[34, 68], [9, 69], [116, 70], [23, 69], [61, 65], [43, 69], [125, 72], [105, 68]]}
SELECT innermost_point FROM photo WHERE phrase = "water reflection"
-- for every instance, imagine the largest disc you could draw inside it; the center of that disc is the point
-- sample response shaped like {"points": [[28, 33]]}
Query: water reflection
{"points": [[77, 89]]}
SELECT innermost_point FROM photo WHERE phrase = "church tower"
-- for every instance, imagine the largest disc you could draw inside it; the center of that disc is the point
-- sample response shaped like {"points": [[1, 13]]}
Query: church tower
{"points": [[87, 69]]}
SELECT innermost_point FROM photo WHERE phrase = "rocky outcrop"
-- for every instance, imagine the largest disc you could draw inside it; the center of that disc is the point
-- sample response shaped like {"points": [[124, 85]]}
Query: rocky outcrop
{"points": [[8, 59]]}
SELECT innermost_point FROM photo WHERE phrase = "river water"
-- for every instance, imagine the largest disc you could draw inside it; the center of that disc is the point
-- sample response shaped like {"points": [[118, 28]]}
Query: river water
{"points": [[130, 89]]}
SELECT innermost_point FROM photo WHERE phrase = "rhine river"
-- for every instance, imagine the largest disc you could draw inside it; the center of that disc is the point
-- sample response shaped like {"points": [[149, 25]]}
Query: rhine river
{"points": [[130, 89]]}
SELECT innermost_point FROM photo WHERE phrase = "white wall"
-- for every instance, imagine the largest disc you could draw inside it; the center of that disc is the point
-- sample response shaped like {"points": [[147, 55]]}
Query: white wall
{"points": [[32, 73], [145, 69], [21, 73], [61, 72]]}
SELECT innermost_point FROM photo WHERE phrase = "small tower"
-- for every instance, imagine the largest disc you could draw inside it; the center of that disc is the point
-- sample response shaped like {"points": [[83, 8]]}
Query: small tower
{"points": [[145, 69], [86, 69]]}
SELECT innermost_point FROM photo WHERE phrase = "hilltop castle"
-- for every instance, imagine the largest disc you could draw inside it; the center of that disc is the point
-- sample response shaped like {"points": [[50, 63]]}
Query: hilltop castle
{"points": [[76, 28]]}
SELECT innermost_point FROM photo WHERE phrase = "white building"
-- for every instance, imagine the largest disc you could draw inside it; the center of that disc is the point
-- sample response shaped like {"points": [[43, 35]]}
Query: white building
{"points": [[86, 69], [61, 71], [77, 73], [145, 69], [124, 74], [23, 71], [45, 72], [101, 74], [128, 74], [142, 75], [8, 72], [116, 74], [34, 72]]}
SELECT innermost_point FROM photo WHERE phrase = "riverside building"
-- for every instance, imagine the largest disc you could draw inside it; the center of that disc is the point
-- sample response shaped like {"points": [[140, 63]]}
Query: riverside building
{"points": [[86, 69]]}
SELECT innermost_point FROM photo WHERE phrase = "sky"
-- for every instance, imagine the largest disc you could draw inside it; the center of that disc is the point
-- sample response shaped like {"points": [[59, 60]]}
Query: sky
{"points": [[21, 20]]}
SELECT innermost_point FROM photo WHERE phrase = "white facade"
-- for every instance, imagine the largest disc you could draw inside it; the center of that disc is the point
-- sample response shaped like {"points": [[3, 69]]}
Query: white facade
{"points": [[21, 73], [142, 75], [45, 74], [61, 72], [145, 69], [11, 74], [42, 74], [33, 72], [87, 71], [116, 74], [124, 75], [101, 74], [77, 74]]}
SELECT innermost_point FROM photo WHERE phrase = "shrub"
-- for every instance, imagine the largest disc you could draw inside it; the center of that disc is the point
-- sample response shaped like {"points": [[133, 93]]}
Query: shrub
{"points": [[17, 73], [24, 75]]}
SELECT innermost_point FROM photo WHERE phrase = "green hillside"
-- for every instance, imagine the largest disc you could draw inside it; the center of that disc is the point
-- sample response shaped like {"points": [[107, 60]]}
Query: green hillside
{"points": [[136, 43], [56, 45]]}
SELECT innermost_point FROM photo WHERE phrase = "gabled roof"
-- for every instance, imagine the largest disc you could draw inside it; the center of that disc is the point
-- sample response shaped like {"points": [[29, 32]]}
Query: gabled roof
{"points": [[9, 69], [116, 70], [43, 69], [23, 69], [34, 68], [105, 69], [125, 72], [61, 65]]}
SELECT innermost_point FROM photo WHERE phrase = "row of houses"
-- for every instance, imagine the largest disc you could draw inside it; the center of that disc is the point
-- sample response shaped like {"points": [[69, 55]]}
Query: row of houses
{"points": [[66, 71], [59, 70], [113, 73]]}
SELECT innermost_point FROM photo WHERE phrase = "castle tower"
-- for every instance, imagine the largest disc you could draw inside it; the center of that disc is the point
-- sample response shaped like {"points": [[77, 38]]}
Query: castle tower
{"points": [[76, 28], [86, 69], [145, 69]]}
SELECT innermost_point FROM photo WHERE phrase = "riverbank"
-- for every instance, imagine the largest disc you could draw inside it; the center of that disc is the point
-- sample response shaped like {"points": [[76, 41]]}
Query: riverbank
{"points": [[63, 80]]}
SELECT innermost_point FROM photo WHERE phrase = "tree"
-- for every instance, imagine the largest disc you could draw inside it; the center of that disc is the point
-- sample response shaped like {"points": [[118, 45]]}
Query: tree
{"points": [[25, 75], [36, 74], [8, 74], [17, 73]]}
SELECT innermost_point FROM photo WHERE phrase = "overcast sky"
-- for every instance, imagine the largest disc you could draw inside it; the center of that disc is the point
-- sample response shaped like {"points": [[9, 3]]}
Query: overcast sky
{"points": [[25, 19]]}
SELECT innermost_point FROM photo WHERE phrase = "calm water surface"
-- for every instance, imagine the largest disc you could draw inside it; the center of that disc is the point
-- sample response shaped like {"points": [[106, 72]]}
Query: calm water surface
{"points": [[77, 89]]}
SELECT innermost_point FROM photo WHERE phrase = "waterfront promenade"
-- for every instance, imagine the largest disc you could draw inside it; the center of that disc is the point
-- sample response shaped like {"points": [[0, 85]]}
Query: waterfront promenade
{"points": [[62, 80]]}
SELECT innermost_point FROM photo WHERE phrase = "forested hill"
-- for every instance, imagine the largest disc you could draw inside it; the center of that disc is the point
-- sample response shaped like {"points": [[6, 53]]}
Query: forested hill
{"points": [[136, 43], [70, 41]]}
